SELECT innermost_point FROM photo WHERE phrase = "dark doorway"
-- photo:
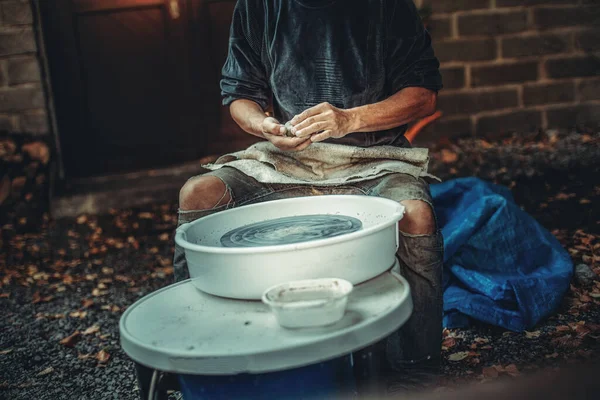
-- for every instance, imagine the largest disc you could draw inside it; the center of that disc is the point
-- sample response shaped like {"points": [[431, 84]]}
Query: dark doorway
{"points": [[127, 92]]}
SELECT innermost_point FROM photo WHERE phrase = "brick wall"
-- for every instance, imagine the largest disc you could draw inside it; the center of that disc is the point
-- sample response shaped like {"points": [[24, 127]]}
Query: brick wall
{"points": [[22, 102], [516, 65]]}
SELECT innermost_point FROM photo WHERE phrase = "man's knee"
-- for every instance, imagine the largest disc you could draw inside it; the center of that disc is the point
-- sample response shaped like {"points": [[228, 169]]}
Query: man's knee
{"points": [[418, 218], [203, 193]]}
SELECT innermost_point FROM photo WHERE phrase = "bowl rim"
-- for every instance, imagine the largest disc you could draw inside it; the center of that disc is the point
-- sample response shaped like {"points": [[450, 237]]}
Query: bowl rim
{"points": [[181, 239]]}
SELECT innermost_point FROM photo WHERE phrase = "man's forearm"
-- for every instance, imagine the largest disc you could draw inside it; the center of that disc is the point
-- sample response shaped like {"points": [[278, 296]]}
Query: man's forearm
{"points": [[248, 115], [401, 108]]}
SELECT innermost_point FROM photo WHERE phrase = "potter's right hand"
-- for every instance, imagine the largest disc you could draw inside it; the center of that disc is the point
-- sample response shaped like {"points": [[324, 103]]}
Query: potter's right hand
{"points": [[274, 132]]}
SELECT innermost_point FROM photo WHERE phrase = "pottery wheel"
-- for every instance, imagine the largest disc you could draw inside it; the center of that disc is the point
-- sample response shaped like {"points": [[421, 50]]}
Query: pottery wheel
{"points": [[288, 230]]}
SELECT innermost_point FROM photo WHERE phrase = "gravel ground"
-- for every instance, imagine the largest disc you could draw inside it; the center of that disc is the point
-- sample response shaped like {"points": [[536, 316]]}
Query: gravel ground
{"points": [[64, 286]]}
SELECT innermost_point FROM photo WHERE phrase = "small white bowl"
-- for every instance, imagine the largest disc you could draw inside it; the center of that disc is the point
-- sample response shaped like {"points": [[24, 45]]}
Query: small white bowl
{"points": [[308, 303]]}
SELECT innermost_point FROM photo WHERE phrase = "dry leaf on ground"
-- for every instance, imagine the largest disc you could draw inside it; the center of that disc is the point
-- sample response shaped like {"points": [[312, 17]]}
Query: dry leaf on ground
{"points": [[91, 330], [46, 371], [512, 370], [461, 355], [448, 343], [102, 356], [87, 303], [490, 372], [532, 335], [78, 314], [449, 156], [70, 341]]}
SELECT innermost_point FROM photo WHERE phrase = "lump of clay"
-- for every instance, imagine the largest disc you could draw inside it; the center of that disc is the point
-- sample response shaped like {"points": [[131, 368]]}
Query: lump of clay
{"points": [[288, 129]]}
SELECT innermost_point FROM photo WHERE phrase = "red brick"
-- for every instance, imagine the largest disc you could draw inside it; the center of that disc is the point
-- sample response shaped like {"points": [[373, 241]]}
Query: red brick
{"points": [[524, 46], [568, 16], [444, 6], [17, 42], [589, 89], [445, 128], [20, 99], [439, 27], [6, 124], [36, 123], [588, 40], [453, 77], [548, 93], [492, 24], [516, 121], [23, 70], [474, 102], [504, 73], [583, 117], [573, 67], [16, 13], [466, 50]]}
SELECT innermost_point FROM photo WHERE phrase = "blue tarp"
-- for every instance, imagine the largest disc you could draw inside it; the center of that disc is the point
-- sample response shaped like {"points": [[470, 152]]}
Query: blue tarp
{"points": [[500, 265]]}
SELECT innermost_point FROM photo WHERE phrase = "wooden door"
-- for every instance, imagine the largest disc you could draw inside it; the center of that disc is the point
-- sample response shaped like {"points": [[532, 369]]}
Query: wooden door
{"points": [[127, 95], [213, 19]]}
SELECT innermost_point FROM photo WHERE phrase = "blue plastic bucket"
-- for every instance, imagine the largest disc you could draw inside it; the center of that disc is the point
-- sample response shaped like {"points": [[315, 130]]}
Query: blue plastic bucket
{"points": [[327, 380]]}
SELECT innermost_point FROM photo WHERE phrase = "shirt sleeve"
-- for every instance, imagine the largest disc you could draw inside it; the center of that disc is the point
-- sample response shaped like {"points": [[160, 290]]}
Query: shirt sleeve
{"points": [[244, 74], [410, 57]]}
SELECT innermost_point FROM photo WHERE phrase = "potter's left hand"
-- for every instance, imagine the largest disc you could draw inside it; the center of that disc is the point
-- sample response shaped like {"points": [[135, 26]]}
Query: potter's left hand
{"points": [[323, 121]]}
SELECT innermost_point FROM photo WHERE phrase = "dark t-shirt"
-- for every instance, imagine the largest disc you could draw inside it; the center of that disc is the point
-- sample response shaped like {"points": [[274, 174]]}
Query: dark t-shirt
{"points": [[295, 54]]}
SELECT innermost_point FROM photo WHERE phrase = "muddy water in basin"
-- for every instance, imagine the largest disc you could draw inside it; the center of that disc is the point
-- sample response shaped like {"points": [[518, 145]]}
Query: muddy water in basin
{"points": [[288, 230]]}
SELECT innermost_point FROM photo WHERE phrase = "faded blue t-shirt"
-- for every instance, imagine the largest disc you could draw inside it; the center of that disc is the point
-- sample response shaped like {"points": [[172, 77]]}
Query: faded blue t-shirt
{"points": [[295, 54]]}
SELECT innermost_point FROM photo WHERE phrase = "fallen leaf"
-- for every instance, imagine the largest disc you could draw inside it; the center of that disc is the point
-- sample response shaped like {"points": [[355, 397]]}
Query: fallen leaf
{"points": [[532, 335], [582, 331], [563, 328], [564, 196], [4, 295], [91, 330], [448, 156], [87, 303], [78, 314], [97, 292], [553, 355], [145, 215], [584, 201], [3, 352], [163, 237], [102, 356], [122, 278], [46, 371], [448, 343], [585, 298], [461, 355], [474, 361], [512, 370], [480, 340], [70, 341], [84, 356], [490, 372], [82, 219], [111, 307]]}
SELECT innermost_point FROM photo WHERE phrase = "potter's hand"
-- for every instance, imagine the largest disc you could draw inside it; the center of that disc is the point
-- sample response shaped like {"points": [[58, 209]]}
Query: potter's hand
{"points": [[323, 121], [274, 132]]}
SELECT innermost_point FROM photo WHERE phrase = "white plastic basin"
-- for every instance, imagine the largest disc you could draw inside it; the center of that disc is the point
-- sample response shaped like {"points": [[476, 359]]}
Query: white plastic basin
{"points": [[245, 273]]}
